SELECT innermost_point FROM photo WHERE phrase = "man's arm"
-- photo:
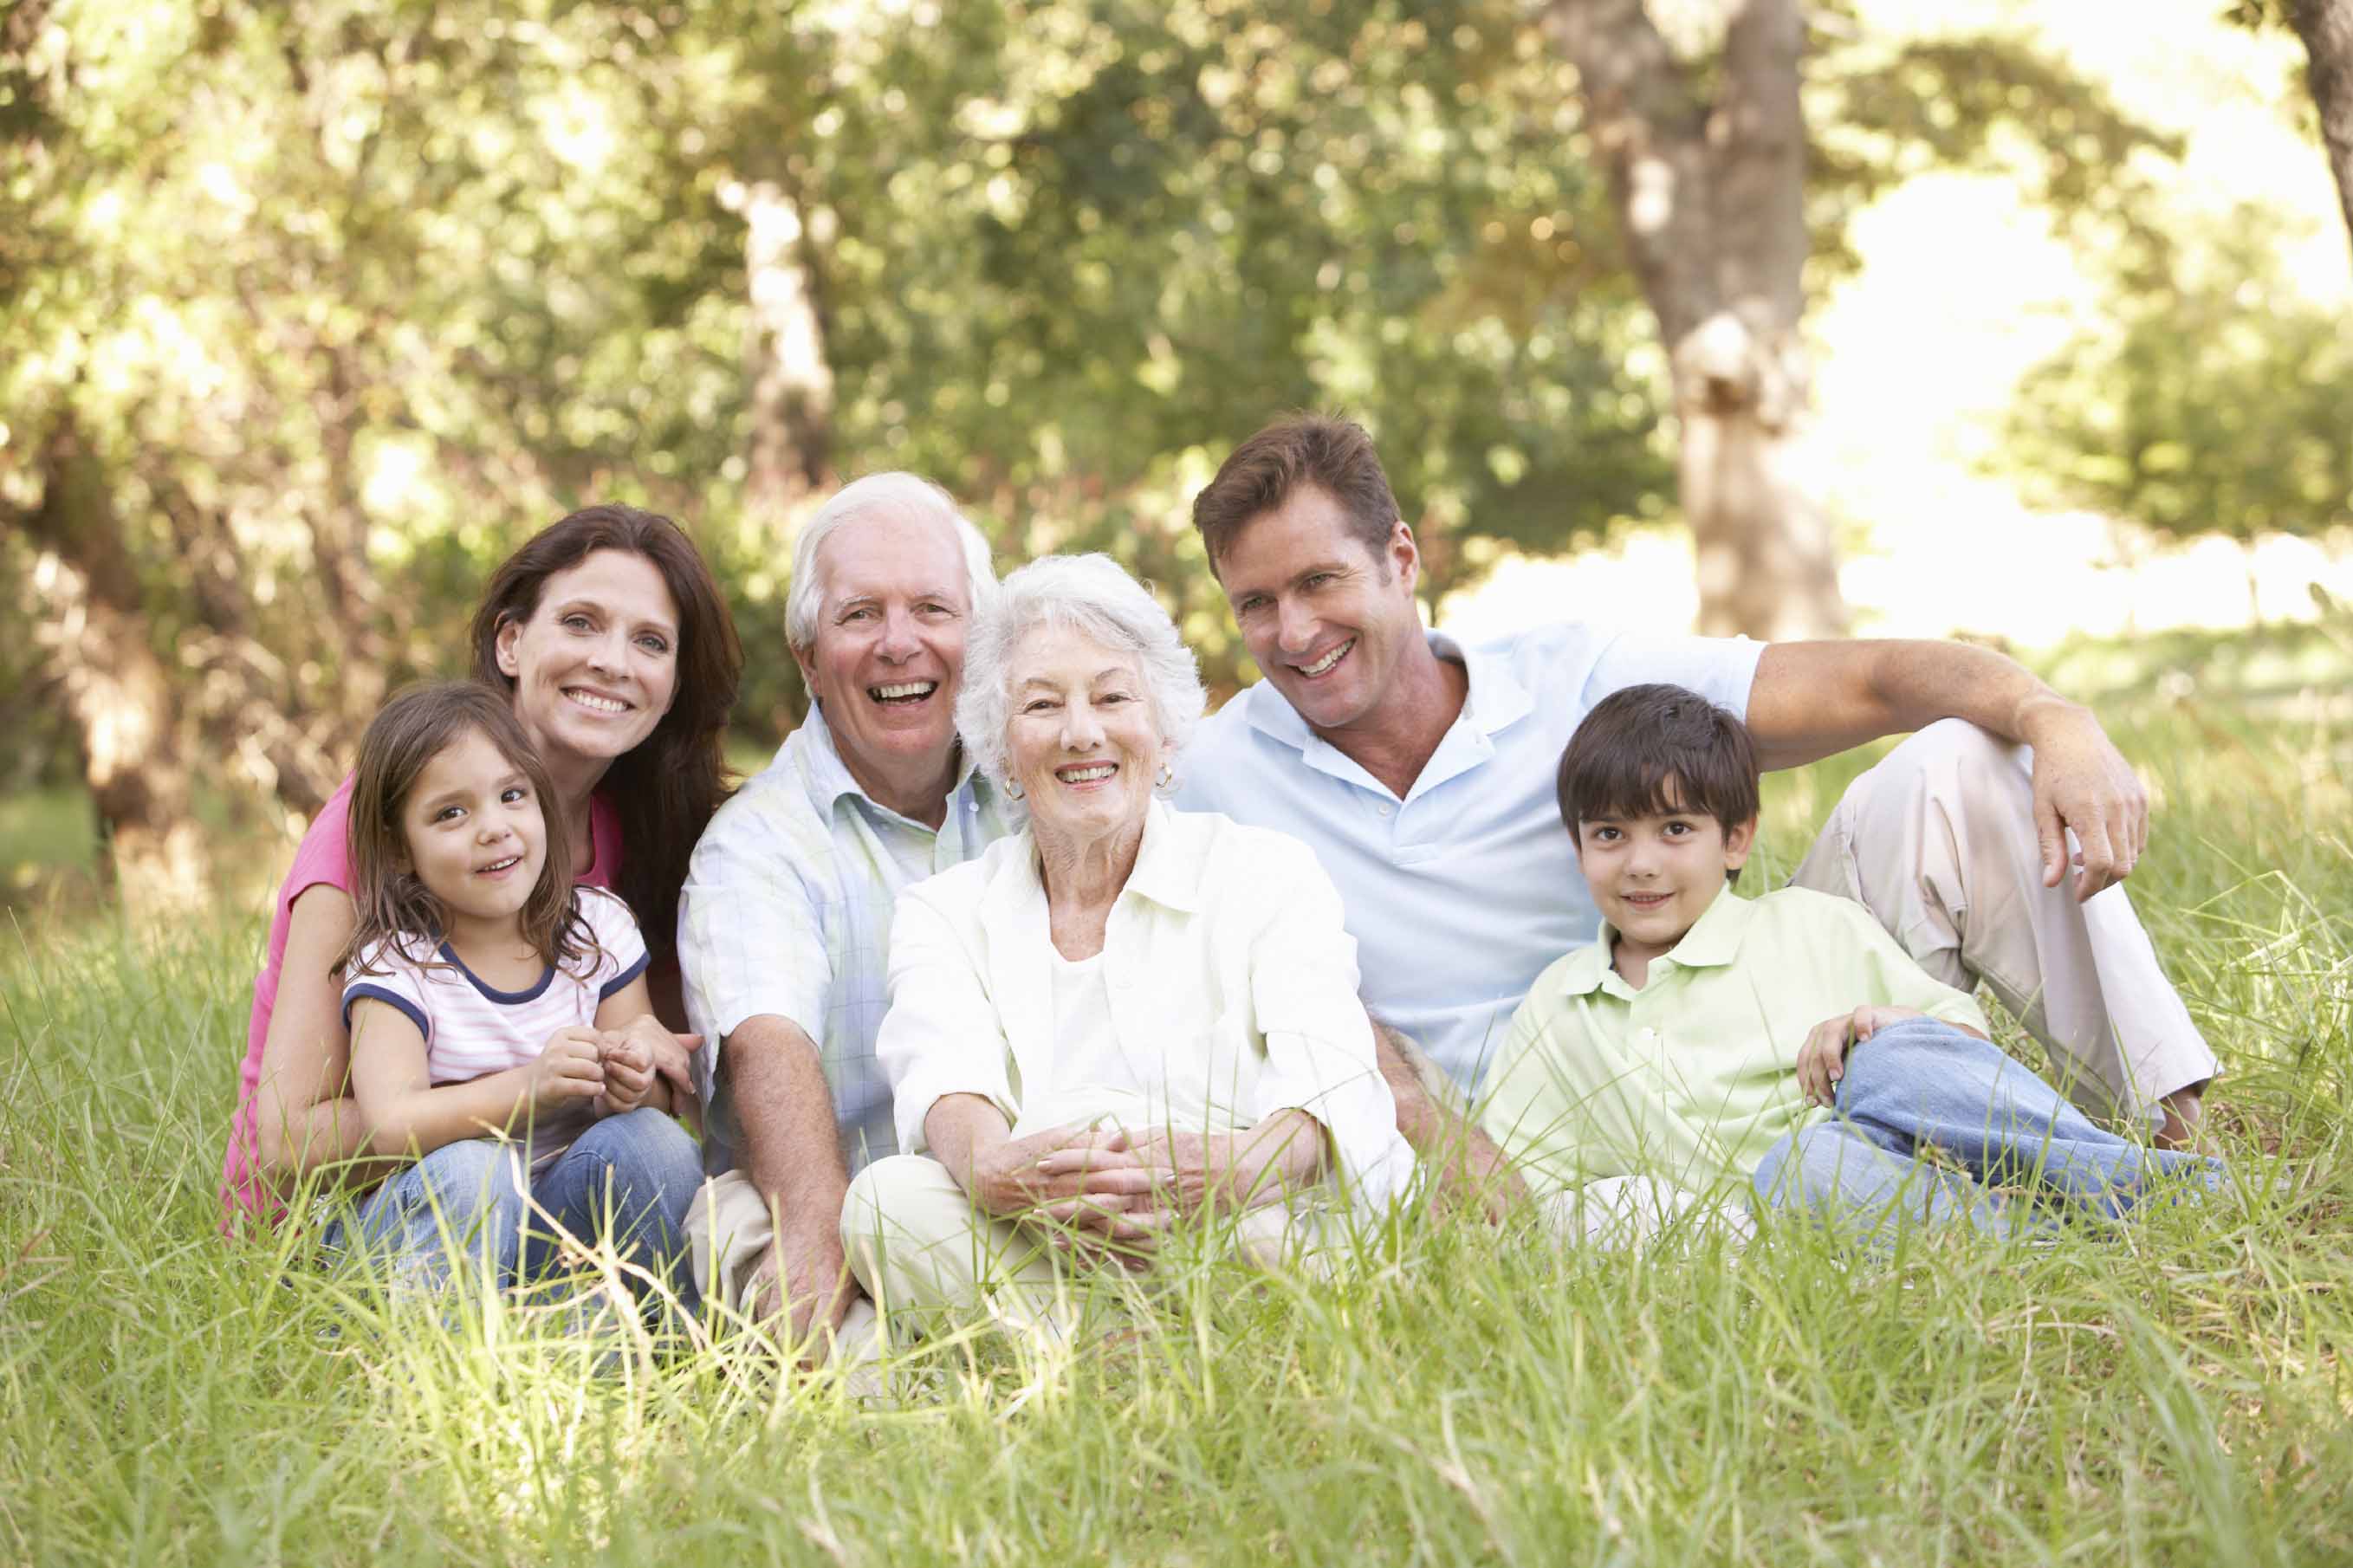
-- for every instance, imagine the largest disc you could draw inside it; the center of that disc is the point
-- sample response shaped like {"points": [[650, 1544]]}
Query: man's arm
{"points": [[793, 1156], [1812, 700], [1470, 1167]]}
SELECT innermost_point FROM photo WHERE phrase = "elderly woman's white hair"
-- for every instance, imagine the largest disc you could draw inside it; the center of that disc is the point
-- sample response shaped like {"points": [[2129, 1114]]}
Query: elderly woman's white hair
{"points": [[897, 494], [1088, 594]]}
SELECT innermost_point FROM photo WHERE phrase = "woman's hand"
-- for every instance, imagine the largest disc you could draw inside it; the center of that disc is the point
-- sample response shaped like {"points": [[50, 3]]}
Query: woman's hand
{"points": [[1098, 1197], [628, 1065], [1057, 1174], [1821, 1060], [568, 1071], [1185, 1174], [637, 1065]]}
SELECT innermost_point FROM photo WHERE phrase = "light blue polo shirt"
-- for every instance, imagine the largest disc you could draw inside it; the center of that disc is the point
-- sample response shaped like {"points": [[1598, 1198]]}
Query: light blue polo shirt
{"points": [[1461, 893]]}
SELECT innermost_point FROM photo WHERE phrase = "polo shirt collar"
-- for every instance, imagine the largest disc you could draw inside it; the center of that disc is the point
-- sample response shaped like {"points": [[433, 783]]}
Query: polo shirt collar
{"points": [[1713, 941], [1494, 698], [830, 777]]}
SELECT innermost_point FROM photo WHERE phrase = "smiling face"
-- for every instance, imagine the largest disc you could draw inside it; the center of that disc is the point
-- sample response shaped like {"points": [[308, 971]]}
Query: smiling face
{"points": [[888, 653], [1326, 619], [1653, 875], [595, 665], [474, 834], [1079, 738]]}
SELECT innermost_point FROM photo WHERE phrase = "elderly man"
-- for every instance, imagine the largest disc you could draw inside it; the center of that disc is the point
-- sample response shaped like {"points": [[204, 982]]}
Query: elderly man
{"points": [[1422, 773], [785, 918]]}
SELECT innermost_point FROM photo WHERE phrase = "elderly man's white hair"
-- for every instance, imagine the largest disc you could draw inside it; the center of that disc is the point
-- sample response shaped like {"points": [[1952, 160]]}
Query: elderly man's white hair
{"points": [[895, 495], [1088, 594]]}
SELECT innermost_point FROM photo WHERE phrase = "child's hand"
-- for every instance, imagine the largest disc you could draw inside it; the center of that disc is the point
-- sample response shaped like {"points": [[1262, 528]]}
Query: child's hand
{"points": [[1821, 1060], [568, 1069], [630, 1074], [638, 1056]]}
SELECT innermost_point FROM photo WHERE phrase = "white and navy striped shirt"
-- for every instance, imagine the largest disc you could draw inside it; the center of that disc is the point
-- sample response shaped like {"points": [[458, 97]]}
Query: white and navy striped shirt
{"points": [[471, 1028]]}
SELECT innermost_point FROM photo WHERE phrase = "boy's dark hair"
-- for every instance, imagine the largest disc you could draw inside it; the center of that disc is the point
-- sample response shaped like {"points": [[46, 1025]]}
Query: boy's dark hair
{"points": [[1637, 741]]}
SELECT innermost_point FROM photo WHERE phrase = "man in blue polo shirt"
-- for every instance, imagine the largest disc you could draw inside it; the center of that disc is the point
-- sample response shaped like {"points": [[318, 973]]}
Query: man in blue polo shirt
{"points": [[1421, 771]]}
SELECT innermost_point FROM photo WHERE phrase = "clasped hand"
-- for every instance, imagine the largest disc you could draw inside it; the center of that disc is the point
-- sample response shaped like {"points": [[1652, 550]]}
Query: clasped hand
{"points": [[1114, 1195], [616, 1070]]}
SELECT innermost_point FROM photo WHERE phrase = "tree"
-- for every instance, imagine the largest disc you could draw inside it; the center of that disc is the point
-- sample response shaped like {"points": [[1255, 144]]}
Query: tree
{"points": [[309, 312], [2212, 405], [1703, 132], [2326, 27]]}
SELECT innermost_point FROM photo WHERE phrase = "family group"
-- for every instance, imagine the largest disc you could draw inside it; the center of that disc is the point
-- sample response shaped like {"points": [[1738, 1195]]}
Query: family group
{"points": [[1015, 969]]}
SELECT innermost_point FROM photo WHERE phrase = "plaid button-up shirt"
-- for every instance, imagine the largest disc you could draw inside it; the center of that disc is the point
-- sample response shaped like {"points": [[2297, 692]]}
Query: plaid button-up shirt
{"points": [[786, 911]]}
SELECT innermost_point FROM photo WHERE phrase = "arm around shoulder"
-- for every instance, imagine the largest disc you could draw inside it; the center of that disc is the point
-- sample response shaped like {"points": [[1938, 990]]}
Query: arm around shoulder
{"points": [[303, 1117]]}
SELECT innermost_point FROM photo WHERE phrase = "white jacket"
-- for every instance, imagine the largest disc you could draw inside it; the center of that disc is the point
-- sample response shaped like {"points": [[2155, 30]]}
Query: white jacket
{"points": [[1232, 985]]}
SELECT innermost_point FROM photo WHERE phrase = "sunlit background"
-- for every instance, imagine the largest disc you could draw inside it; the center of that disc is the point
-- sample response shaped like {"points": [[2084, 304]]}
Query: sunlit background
{"points": [[1963, 286]]}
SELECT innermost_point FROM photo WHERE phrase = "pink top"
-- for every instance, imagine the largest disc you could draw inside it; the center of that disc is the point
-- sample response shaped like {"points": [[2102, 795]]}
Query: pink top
{"points": [[325, 859]]}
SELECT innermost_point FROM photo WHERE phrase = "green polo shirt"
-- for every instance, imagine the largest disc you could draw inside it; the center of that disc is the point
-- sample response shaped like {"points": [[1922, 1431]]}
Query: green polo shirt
{"points": [[1693, 1078]]}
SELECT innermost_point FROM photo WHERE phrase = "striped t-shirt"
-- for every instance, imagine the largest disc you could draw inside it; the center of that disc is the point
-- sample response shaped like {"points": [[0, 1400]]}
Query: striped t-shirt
{"points": [[472, 1029]]}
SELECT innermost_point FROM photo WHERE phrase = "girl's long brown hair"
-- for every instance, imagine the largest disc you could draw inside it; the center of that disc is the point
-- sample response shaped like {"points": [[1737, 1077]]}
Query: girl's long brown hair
{"points": [[388, 901], [666, 787]]}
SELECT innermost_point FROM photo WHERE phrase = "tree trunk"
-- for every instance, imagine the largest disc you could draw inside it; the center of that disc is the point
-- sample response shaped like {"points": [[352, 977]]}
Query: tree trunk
{"points": [[118, 692], [1710, 201], [1763, 549], [785, 353], [2327, 28]]}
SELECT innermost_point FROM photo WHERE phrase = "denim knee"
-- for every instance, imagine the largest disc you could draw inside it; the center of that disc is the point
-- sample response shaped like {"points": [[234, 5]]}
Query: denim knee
{"points": [[653, 1163], [471, 1181], [1904, 1058]]}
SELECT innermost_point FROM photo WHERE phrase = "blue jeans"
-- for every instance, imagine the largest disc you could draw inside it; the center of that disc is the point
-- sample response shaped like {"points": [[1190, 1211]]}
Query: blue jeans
{"points": [[626, 1180], [1922, 1082]]}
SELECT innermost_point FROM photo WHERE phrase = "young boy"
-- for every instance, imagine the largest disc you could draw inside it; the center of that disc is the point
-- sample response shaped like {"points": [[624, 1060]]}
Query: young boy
{"points": [[1701, 1044]]}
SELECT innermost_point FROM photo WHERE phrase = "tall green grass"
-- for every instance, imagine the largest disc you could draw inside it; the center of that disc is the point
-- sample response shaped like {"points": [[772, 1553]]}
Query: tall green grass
{"points": [[2179, 1392]]}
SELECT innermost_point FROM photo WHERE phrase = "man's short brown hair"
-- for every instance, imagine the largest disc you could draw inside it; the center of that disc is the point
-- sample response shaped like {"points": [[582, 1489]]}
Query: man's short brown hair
{"points": [[1636, 741], [1333, 454]]}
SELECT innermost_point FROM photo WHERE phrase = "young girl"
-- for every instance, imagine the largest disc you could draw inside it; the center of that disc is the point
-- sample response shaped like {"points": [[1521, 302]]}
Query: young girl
{"points": [[500, 1033]]}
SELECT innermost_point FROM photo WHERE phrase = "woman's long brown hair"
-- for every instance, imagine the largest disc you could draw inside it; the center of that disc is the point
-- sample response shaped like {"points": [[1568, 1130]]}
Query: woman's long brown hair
{"points": [[665, 788], [388, 900]]}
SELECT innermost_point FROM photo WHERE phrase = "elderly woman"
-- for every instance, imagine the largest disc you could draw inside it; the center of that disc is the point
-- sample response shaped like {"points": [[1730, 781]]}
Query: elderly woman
{"points": [[1116, 985]]}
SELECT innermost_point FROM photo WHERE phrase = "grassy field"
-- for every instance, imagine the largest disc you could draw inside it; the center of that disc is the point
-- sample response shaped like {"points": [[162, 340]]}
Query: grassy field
{"points": [[2180, 1394]]}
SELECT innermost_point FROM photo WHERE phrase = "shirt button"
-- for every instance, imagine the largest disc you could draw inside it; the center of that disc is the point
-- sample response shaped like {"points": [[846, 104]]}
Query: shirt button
{"points": [[1649, 1034], [1387, 810]]}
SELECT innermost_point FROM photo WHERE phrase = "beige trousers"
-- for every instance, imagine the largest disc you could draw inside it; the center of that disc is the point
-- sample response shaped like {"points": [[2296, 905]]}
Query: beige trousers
{"points": [[730, 1228], [928, 1259], [1949, 863]]}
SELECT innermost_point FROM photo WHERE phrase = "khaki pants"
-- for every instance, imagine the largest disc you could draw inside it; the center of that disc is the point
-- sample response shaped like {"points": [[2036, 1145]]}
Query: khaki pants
{"points": [[730, 1228], [927, 1258], [1938, 843]]}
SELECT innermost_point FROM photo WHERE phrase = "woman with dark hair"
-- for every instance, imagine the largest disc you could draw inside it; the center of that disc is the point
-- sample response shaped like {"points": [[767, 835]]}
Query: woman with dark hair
{"points": [[609, 638]]}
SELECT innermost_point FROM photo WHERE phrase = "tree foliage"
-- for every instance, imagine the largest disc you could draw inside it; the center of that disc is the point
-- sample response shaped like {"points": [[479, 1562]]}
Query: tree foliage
{"points": [[2215, 402], [311, 311]]}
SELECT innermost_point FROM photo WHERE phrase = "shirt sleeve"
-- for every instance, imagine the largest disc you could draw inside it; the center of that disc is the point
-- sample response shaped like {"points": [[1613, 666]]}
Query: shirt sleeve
{"points": [[324, 856], [1320, 1055], [1721, 670], [941, 1035], [382, 974], [621, 955], [749, 939]]}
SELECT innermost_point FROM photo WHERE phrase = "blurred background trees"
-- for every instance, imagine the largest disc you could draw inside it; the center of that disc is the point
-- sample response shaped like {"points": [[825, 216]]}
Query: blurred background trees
{"points": [[311, 311]]}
